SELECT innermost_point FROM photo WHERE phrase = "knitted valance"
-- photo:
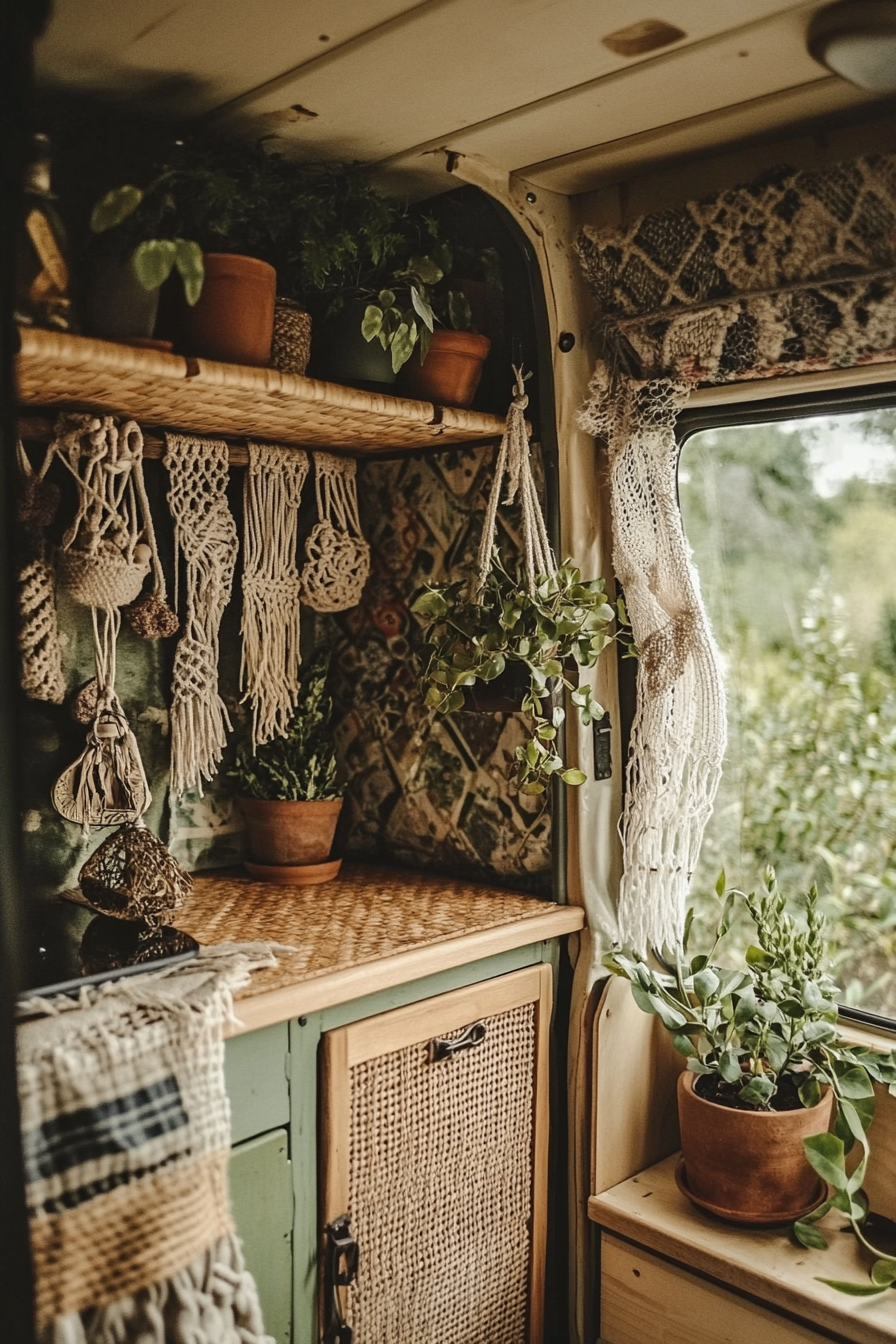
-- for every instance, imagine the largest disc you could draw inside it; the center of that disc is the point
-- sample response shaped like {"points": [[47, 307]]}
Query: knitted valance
{"points": [[793, 273]]}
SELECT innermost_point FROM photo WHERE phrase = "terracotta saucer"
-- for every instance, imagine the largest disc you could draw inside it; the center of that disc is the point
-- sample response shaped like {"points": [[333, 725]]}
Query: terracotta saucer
{"points": [[295, 875], [756, 1219], [147, 343]]}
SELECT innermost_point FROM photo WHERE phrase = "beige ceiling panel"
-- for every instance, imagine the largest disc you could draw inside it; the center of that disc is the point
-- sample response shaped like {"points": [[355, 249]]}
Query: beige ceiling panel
{"points": [[685, 83], [451, 64], [206, 52], [636, 154]]}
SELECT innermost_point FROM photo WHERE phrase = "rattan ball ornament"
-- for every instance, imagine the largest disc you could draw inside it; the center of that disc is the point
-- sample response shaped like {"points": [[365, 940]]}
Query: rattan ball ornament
{"points": [[291, 343], [84, 704], [150, 617], [131, 875]]}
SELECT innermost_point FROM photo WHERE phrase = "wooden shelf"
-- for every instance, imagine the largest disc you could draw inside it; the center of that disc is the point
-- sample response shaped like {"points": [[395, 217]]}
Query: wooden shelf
{"points": [[204, 397], [370, 929], [764, 1264]]}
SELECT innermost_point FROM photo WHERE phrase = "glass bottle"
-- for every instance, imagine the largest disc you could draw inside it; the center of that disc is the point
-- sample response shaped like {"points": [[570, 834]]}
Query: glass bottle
{"points": [[42, 271]]}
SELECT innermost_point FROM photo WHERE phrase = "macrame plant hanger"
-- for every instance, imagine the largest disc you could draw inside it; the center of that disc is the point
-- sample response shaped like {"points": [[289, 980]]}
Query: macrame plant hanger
{"points": [[205, 534], [269, 673], [103, 559], [514, 461], [337, 558]]}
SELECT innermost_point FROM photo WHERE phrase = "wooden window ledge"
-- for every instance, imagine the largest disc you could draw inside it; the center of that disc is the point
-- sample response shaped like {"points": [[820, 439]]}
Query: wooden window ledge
{"points": [[763, 1264]]}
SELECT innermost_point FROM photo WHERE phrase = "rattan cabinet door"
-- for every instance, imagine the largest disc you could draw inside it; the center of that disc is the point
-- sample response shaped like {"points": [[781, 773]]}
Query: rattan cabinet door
{"points": [[438, 1155]]}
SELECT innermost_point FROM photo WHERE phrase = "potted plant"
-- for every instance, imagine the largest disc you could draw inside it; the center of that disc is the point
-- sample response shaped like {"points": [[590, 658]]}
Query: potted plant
{"points": [[138, 253], [289, 793], [766, 1069], [475, 638]]}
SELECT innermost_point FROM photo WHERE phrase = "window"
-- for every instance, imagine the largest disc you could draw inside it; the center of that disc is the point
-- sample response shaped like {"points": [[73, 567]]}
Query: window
{"points": [[792, 523]]}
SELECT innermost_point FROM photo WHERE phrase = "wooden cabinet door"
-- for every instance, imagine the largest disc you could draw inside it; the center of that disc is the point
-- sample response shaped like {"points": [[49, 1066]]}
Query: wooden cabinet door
{"points": [[260, 1181], [434, 1143]]}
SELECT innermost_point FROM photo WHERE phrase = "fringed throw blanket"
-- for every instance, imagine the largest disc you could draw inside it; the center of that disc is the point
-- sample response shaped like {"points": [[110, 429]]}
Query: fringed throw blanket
{"points": [[126, 1134]]}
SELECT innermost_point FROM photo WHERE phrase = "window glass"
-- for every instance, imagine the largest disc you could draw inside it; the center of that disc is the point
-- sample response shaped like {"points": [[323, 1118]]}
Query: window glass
{"points": [[793, 531]]}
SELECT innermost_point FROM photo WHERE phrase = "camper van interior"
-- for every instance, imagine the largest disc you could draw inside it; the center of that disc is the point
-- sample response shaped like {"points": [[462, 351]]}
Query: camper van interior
{"points": [[448, 672]]}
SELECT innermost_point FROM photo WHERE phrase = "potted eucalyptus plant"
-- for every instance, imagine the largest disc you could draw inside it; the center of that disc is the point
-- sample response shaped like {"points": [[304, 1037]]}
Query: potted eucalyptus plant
{"points": [[289, 791], [767, 1069], [472, 639]]}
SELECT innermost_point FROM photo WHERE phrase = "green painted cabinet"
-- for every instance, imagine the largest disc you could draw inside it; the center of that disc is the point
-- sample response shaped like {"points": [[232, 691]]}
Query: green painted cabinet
{"points": [[261, 1195]]}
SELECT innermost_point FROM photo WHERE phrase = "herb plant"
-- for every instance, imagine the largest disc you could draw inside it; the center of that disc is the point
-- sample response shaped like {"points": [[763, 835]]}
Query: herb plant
{"points": [[766, 1033], [474, 637], [301, 766]]}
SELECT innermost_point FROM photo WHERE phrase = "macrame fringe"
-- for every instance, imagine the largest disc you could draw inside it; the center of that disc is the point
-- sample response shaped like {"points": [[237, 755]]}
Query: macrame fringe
{"points": [[213, 1301], [205, 534], [269, 673], [337, 558], [680, 728]]}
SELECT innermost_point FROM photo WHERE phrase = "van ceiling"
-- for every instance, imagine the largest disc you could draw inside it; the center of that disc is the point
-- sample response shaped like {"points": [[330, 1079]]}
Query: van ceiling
{"points": [[530, 86]]}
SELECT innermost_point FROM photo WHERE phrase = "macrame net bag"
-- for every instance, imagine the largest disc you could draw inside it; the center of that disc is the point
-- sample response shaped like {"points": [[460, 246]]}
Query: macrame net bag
{"points": [[269, 673], [337, 558], [37, 630], [514, 462], [206, 536], [680, 728], [131, 875]]}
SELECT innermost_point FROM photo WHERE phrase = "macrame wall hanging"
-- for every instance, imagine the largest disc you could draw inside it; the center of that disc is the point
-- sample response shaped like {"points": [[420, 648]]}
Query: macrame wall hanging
{"points": [[205, 534], [102, 561], [337, 558], [514, 461], [269, 672], [37, 631]]}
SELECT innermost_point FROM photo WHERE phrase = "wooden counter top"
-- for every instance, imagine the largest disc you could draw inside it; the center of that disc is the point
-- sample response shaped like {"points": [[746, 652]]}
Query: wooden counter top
{"points": [[762, 1262], [369, 929]]}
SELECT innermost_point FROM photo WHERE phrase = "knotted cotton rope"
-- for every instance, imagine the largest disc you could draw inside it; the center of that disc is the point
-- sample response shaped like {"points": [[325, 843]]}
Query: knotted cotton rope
{"points": [[514, 461], [206, 535], [37, 631], [337, 558], [269, 673]]}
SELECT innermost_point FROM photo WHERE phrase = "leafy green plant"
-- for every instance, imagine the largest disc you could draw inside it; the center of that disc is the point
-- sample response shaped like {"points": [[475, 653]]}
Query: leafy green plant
{"points": [[301, 766], [153, 259], [473, 637], [766, 1034]]}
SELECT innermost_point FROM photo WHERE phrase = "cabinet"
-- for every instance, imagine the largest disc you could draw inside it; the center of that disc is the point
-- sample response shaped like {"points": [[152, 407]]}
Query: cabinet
{"points": [[472, 1166]]}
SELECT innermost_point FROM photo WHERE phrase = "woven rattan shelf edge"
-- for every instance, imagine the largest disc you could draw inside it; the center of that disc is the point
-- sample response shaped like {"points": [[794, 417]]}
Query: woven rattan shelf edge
{"points": [[158, 389], [314, 995]]}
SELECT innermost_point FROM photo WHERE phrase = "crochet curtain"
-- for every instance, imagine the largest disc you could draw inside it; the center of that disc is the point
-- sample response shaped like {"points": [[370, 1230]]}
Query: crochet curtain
{"points": [[795, 272]]}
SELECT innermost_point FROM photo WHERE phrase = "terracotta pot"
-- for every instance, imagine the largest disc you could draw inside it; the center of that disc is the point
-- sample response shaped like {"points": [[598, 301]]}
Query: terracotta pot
{"points": [[288, 832], [233, 319], [749, 1166], [450, 374]]}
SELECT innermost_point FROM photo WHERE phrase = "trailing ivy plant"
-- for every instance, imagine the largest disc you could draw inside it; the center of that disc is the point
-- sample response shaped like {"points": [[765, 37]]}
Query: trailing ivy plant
{"points": [[300, 766], [472, 638], [766, 1034]]}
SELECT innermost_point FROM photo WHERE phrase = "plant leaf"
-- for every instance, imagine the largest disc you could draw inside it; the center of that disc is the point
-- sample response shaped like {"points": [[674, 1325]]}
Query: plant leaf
{"points": [[883, 1272], [826, 1155], [372, 322], [190, 267], [807, 1235], [153, 261], [853, 1289], [573, 776], [114, 208]]}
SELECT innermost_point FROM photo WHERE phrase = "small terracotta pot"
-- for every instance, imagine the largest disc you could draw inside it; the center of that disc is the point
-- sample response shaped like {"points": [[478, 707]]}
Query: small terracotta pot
{"points": [[289, 832], [749, 1166], [450, 374], [233, 319]]}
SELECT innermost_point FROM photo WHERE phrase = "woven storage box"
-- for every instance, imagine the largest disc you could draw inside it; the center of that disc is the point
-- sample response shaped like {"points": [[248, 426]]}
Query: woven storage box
{"points": [[291, 344], [439, 1164]]}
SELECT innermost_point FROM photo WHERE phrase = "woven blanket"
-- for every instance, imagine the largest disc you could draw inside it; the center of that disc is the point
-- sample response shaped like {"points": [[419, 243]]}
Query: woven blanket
{"points": [[126, 1135]]}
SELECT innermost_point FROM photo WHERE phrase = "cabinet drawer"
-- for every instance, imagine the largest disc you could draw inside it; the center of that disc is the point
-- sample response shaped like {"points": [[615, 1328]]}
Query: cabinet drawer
{"points": [[435, 1144], [260, 1180], [643, 1298], [256, 1069]]}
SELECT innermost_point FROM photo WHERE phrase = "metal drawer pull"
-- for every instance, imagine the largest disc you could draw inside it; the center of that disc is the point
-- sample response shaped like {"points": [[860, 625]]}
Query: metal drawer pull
{"points": [[442, 1048], [341, 1270]]}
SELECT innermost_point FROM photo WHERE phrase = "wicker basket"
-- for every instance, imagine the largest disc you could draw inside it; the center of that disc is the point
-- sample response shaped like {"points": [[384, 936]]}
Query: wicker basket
{"points": [[291, 346], [106, 579]]}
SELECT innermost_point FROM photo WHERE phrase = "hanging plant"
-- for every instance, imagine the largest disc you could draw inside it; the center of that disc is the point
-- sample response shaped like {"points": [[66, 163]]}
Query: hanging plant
{"points": [[547, 619], [565, 622]]}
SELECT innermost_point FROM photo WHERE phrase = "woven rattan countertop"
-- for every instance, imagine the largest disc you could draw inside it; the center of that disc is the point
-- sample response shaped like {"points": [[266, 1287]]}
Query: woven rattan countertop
{"points": [[158, 389], [369, 929]]}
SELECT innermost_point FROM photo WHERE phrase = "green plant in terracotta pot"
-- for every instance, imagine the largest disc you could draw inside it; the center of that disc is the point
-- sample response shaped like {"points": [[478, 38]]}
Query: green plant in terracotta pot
{"points": [[767, 1070], [472, 639], [289, 791]]}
